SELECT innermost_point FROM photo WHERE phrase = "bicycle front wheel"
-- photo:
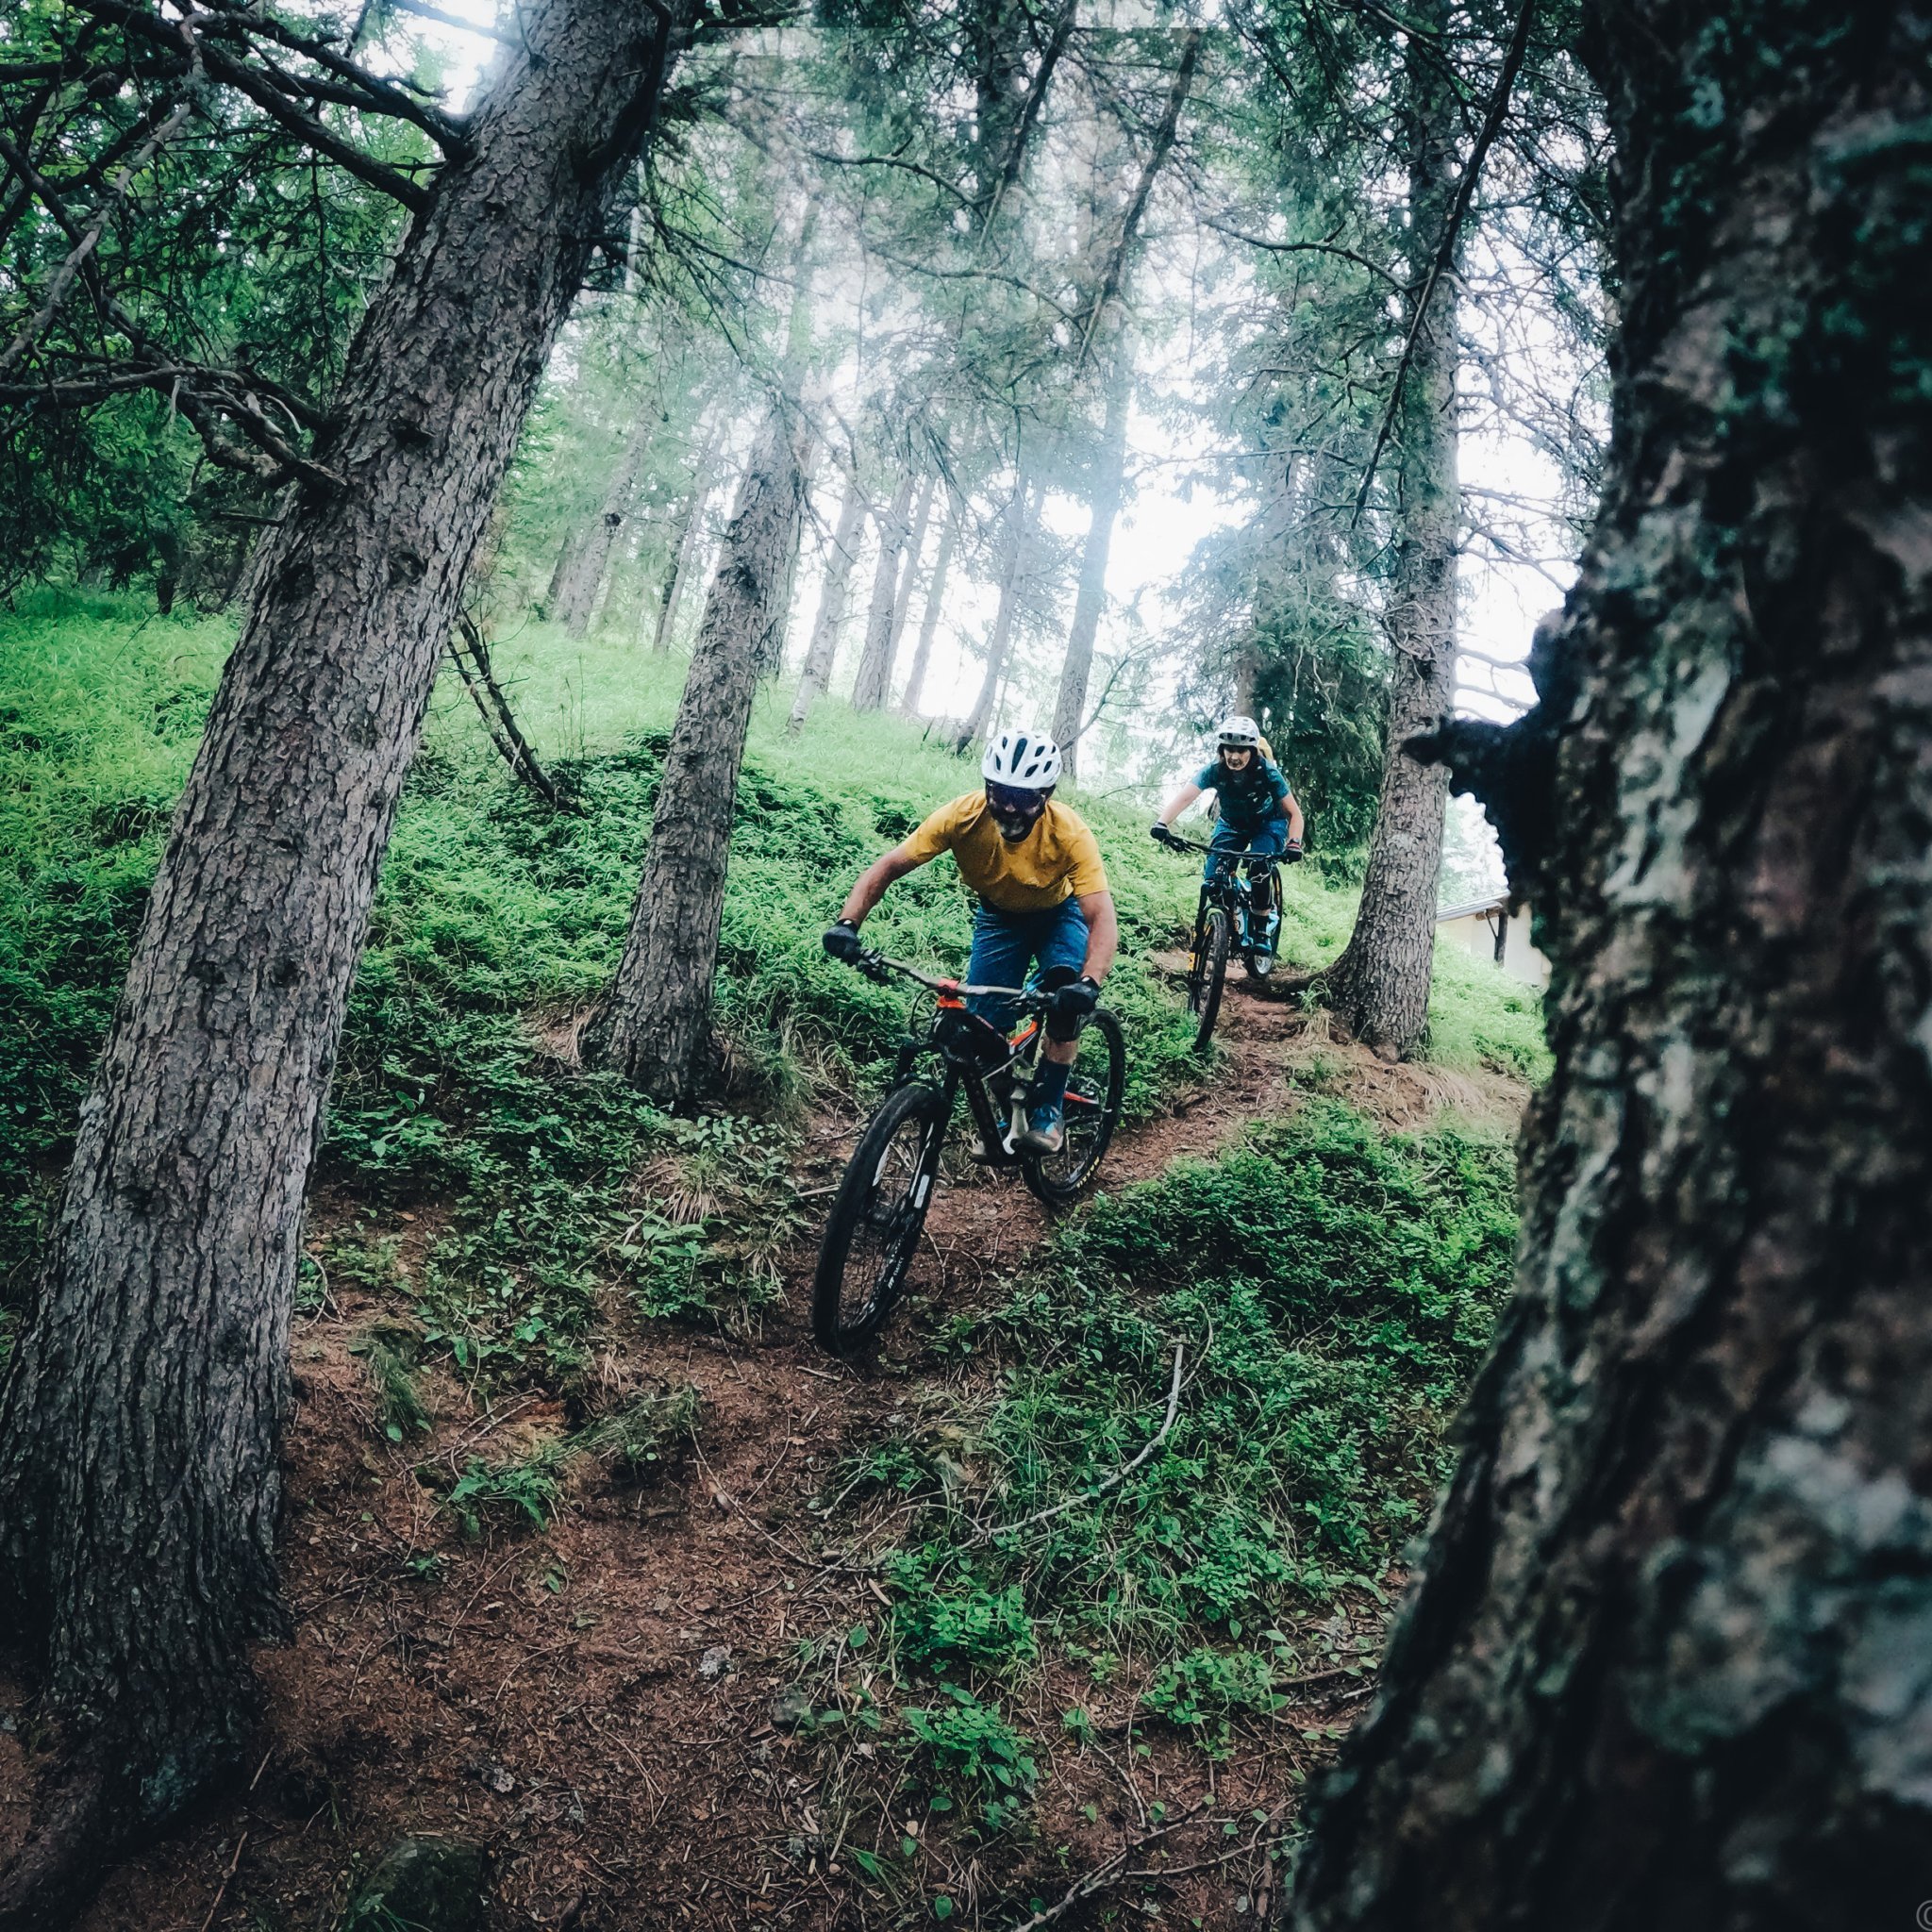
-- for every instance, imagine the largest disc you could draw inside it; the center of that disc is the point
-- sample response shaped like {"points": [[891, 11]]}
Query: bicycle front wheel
{"points": [[1094, 1084], [1210, 974], [873, 1229]]}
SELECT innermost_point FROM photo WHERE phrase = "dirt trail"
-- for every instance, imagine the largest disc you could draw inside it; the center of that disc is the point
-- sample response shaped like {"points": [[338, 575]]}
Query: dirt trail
{"points": [[595, 1703]]}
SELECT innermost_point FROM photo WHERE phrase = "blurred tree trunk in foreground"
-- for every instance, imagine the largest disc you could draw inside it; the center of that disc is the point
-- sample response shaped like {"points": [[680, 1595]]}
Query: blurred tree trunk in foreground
{"points": [[1666, 1661]]}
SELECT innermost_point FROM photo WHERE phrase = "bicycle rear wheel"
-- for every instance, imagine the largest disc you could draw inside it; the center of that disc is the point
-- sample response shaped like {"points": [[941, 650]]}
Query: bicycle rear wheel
{"points": [[872, 1231], [1209, 974], [1094, 1084]]}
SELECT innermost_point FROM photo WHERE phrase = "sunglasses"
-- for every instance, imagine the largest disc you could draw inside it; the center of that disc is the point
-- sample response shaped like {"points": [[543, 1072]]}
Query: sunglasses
{"points": [[1014, 801]]}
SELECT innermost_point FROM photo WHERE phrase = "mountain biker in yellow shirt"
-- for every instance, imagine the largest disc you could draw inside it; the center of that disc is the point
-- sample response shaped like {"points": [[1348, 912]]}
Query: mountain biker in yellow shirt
{"points": [[1044, 899]]}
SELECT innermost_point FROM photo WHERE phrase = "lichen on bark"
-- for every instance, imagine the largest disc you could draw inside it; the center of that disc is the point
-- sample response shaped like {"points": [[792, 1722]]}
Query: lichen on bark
{"points": [[1664, 1661]]}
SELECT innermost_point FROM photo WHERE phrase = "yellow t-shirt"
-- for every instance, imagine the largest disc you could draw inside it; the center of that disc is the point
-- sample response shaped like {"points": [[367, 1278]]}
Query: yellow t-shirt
{"points": [[1059, 859]]}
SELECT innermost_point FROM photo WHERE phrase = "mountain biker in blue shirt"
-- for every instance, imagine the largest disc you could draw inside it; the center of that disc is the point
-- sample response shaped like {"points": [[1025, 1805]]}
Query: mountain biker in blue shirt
{"points": [[1258, 812]]}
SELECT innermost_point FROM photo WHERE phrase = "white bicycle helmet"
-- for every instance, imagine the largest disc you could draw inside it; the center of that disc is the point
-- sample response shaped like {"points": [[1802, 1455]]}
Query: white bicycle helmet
{"points": [[1238, 730], [1029, 759]]}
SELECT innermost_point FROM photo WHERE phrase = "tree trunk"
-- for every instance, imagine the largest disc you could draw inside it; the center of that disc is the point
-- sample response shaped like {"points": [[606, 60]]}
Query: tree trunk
{"points": [[689, 539], [1379, 987], [576, 598], [1665, 1663], [1109, 472], [140, 1426], [1000, 642], [656, 1025], [908, 573], [873, 684], [935, 602], [559, 571], [833, 595]]}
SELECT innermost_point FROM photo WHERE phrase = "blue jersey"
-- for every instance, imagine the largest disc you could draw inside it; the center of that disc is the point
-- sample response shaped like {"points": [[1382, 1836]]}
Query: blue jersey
{"points": [[1249, 797]]}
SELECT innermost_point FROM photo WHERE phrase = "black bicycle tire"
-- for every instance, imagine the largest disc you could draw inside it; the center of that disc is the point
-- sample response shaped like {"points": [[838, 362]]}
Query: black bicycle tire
{"points": [[1214, 941], [831, 1331], [1058, 1194]]}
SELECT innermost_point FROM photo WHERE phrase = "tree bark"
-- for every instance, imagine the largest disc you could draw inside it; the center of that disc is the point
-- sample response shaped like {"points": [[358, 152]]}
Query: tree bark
{"points": [[873, 685], [656, 1025], [935, 602], [908, 575], [689, 537], [575, 597], [833, 595], [1664, 1664], [997, 645], [1090, 600], [1379, 987], [559, 571], [140, 1425]]}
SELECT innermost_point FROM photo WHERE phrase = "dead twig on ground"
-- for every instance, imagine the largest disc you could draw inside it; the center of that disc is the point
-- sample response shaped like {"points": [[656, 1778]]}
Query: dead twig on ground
{"points": [[234, 1865], [1120, 1475]]}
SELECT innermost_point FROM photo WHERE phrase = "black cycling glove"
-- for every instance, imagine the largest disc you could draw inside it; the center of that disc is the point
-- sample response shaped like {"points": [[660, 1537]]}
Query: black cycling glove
{"points": [[841, 941], [1073, 1002]]}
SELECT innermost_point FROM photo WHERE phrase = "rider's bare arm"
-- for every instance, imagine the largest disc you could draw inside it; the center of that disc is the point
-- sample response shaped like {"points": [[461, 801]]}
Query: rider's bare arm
{"points": [[1103, 934], [1294, 818], [872, 881], [1178, 804]]}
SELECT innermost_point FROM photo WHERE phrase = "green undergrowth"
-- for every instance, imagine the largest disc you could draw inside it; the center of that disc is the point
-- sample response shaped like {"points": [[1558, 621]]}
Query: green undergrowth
{"points": [[1330, 1289], [630, 1442], [561, 1195]]}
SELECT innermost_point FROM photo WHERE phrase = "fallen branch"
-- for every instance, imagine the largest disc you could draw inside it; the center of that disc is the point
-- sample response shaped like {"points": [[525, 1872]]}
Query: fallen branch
{"points": [[1115, 1871], [1118, 1477], [499, 721]]}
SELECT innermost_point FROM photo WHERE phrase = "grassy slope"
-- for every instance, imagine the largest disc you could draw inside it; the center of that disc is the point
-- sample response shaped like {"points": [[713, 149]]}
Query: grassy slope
{"points": [[1331, 1285], [492, 909]]}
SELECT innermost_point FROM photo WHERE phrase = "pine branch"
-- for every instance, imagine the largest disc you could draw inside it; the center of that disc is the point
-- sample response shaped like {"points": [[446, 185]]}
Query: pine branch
{"points": [[1157, 159], [64, 277], [1452, 228]]}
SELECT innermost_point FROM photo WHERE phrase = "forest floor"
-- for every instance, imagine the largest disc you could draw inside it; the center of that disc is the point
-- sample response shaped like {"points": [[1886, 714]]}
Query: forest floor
{"points": [[653, 1713]]}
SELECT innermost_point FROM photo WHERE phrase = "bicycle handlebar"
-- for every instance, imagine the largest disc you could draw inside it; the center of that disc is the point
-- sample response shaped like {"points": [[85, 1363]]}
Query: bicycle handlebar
{"points": [[1174, 842], [878, 965]]}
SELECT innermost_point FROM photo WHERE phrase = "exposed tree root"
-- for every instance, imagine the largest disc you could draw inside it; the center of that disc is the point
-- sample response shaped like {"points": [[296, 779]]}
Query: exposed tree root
{"points": [[68, 1853]]}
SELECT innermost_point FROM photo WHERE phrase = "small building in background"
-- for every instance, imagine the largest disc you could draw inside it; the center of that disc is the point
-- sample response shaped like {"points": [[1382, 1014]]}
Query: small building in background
{"points": [[1493, 929]]}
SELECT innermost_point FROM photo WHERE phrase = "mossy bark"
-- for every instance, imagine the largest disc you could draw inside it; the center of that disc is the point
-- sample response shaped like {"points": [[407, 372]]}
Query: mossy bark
{"points": [[1665, 1661], [140, 1426]]}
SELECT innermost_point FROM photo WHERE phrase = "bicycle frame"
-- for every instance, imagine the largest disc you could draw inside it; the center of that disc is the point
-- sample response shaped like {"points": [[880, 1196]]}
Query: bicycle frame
{"points": [[1232, 887], [960, 1039]]}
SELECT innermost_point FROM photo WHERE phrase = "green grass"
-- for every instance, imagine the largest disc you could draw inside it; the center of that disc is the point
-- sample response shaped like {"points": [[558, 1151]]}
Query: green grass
{"points": [[1331, 1287], [494, 912]]}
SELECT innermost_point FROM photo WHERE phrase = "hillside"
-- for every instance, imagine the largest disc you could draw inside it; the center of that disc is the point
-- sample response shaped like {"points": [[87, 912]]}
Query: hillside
{"points": [[594, 1560]]}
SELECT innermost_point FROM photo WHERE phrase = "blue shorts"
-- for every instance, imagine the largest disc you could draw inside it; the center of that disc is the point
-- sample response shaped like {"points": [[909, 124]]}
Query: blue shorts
{"points": [[1269, 835], [1005, 945]]}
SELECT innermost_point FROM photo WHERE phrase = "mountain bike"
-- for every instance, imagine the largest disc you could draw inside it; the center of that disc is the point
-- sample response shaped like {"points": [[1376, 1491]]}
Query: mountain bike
{"points": [[880, 1209], [1228, 917]]}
